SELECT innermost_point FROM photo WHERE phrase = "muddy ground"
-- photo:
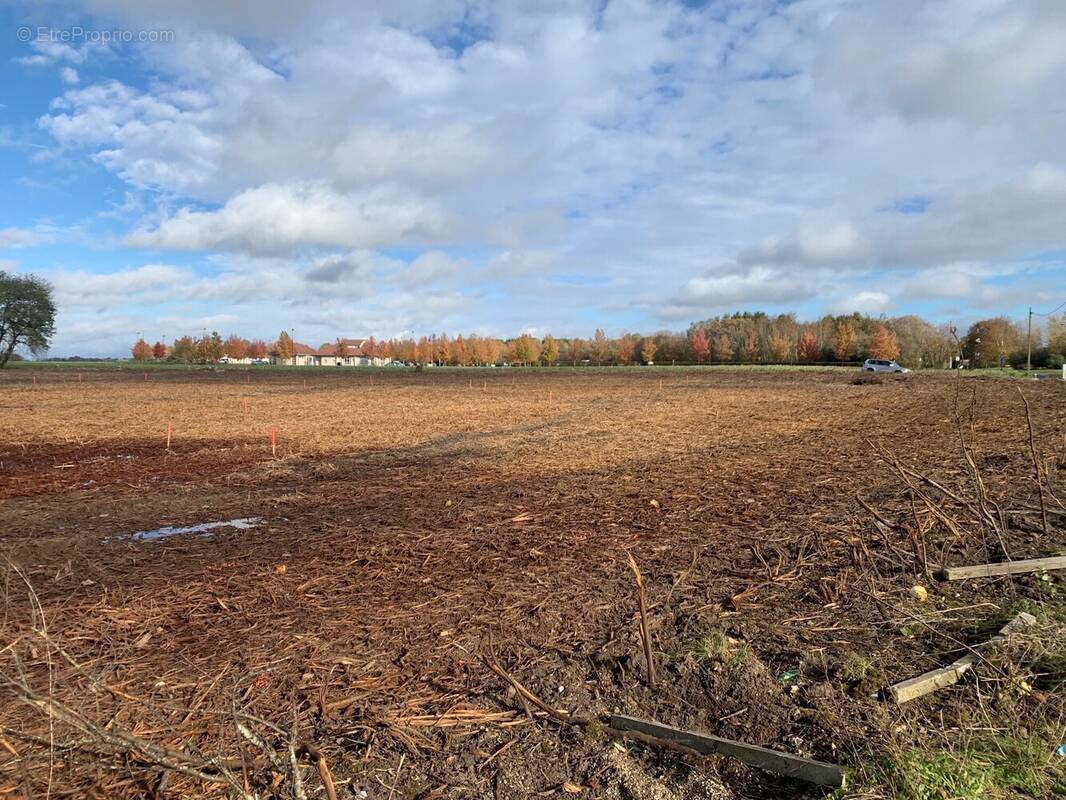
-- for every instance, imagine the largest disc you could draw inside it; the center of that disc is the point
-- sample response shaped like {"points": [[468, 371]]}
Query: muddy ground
{"points": [[414, 526]]}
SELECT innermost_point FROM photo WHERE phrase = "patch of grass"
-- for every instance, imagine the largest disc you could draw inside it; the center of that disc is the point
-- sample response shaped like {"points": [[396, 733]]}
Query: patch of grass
{"points": [[856, 667], [1047, 642], [1051, 605], [595, 732], [1003, 767], [1050, 668], [715, 647]]}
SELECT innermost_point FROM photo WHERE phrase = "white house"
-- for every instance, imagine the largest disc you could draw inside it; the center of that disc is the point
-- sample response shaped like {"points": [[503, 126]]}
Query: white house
{"points": [[327, 355]]}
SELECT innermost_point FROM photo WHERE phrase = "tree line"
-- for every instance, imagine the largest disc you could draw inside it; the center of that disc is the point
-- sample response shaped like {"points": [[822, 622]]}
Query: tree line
{"points": [[208, 348], [740, 338], [28, 313]]}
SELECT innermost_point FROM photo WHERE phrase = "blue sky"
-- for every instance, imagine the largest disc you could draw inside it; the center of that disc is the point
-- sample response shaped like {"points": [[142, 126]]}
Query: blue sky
{"points": [[499, 167]]}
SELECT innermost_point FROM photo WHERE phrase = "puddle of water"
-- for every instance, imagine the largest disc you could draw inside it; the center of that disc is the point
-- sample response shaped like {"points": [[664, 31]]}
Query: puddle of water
{"points": [[203, 529]]}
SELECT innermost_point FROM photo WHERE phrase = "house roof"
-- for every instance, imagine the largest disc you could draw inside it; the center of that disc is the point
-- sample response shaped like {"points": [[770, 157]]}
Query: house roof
{"points": [[353, 347]]}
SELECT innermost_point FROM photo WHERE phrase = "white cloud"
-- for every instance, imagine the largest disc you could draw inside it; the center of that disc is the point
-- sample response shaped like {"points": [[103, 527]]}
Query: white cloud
{"points": [[866, 302], [335, 278], [341, 268], [949, 282], [277, 218], [979, 62], [603, 154], [23, 237], [510, 264], [815, 243], [431, 267], [375, 154], [1002, 219], [734, 288], [69, 75], [148, 283], [47, 52], [1009, 218]]}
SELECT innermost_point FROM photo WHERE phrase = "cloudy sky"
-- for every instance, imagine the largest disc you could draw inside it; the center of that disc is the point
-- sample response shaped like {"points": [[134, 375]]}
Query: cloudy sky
{"points": [[345, 169]]}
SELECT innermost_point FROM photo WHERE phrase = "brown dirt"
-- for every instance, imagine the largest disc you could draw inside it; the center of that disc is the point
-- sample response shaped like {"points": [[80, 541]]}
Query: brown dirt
{"points": [[408, 520]]}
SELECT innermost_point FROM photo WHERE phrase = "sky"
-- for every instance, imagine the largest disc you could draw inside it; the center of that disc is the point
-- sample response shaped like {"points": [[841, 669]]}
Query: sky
{"points": [[399, 168]]}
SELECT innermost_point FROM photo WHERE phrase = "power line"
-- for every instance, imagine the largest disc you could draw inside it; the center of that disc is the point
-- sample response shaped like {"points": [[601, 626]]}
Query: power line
{"points": [[1049, 313], [1029, 335]]}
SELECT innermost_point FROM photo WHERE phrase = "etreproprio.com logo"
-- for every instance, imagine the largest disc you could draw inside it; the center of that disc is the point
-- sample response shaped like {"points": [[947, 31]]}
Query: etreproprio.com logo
{"points": [[79, 35]]}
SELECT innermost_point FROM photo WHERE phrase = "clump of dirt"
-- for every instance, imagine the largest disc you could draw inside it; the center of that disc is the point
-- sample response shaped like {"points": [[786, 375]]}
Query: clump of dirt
{"points": [[861, 676], [627, 779], [274, 470], [741, 695], [867, 379]]}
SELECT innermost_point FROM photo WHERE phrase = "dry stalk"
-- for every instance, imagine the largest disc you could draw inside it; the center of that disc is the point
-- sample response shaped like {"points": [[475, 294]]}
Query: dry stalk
{"points": [[528, 696], [116, 741], [645, 636], [1036, 463]]}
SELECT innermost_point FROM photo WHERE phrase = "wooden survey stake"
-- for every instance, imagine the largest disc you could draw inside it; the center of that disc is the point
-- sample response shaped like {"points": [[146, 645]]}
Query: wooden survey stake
{"points": [[1003, 568], [774, 761], [928, 682]]}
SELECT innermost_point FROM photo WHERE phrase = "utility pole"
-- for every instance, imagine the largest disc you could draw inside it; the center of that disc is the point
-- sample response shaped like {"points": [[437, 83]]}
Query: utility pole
{"points": [[1029, 345]]}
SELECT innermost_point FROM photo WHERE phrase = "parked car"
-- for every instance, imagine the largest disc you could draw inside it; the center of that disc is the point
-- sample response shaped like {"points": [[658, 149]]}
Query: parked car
{"points": [[882, 365]]}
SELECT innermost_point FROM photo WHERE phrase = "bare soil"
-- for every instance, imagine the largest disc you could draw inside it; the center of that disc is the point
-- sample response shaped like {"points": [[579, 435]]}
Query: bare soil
{"points": [[413, 521]]}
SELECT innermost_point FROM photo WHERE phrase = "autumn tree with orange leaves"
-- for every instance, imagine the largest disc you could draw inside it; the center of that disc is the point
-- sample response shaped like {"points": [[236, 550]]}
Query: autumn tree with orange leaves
{"points": [[141, 350], [883, 345], [473, 349], [459, 352], [159, 351], [699, 346], [524, 350], [751, 347], [235, 347], [625, 348], [549, 350], [601, 347], [489, 350], [284, 346], [844, 340], [442, 349], [647, 350], [780, 346], [574, 349], [424, 351], [809, 350], [723, 348]]}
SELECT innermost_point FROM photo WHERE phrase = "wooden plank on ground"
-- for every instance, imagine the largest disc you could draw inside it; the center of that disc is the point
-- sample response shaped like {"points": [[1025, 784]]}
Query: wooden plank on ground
{"points": [[928, 682], [1003, 568], [779, 763]]}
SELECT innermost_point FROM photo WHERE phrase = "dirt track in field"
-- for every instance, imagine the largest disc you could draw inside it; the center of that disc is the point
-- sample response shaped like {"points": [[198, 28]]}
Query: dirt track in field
{"points": [[409, 516]]}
